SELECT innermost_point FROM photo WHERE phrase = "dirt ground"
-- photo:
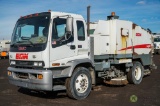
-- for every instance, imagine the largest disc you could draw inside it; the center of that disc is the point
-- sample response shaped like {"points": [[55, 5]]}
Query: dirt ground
{"points": [[145, 94]]}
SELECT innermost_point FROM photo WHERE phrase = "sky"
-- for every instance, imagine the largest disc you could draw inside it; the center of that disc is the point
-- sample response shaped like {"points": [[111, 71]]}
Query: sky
{"points": [[145, 13]]}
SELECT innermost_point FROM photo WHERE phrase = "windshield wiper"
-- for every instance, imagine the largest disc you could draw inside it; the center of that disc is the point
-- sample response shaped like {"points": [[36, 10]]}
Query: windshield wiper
{"points": [[25, 38], [28, 40], [15, 44], [19, 42], [31, 43]]}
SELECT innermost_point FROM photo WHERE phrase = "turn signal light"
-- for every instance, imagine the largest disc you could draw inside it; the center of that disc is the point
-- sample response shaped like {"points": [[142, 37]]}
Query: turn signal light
{"points": [[55, 64], [40, 76], [9, 73]]}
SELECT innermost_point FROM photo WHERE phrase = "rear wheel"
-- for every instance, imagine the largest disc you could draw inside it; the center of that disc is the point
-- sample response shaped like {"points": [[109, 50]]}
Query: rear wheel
{"points": [[79, 85], [135, 75]]}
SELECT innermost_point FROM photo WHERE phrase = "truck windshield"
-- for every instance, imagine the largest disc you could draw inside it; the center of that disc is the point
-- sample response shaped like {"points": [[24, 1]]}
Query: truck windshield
{"points": [[31, 31], [156, 39]]}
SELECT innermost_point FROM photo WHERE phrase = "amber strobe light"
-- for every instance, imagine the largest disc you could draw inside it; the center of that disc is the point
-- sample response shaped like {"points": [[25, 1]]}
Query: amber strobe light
{"points": [[113, 14]]}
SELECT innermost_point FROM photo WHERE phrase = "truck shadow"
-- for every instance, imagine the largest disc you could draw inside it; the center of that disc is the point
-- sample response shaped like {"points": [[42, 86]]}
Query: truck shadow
{"points": [[43, 94]]}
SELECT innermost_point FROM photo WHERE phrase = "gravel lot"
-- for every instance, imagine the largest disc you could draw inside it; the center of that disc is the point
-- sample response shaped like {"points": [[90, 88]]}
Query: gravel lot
{"points": [[147, 93]]}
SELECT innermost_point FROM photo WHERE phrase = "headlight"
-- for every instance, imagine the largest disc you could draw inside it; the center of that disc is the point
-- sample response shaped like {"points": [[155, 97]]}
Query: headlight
{"points": [[35, 64], [12, 62], [38, 64]]}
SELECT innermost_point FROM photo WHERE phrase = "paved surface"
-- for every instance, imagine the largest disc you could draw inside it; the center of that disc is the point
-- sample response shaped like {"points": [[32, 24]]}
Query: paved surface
{"points": [[147, 93]]}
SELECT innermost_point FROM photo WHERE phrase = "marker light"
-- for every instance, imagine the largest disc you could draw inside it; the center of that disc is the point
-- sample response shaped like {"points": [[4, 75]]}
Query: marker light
{"points": [[36, 14]]}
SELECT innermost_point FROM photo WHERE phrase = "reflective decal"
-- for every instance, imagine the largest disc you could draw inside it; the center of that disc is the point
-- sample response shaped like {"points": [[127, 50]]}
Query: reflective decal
{"points": [[22, 56], [142, 46], [138, 34]]}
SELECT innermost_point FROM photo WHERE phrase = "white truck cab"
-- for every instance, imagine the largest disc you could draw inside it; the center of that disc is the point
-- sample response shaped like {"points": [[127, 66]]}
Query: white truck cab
{"points": [[45, 42]]}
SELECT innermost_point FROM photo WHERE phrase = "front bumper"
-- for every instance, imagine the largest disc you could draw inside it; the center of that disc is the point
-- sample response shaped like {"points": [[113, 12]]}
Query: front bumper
{"points": [[27, 78]]}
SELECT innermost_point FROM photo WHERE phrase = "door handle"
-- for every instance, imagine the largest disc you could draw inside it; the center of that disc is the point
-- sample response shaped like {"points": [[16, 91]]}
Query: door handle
{"points": [[72, 47], [79, 46]]}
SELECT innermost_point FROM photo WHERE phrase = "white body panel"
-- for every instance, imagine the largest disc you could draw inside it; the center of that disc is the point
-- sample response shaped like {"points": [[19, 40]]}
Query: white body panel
{"points": [[145, 40], [119, 37]]}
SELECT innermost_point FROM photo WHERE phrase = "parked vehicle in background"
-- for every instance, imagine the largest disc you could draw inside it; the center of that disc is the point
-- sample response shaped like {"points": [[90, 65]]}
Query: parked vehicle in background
{"points": [[156, 37], [4, 48]]}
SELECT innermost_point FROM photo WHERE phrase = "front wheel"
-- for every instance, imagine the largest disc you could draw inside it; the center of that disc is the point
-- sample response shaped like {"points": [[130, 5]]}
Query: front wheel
{"points": [[135, 75], [79, 85]]}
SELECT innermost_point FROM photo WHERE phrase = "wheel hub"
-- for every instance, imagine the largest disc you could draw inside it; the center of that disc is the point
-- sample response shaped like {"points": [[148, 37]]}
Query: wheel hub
{"points": [[138, 73], [81, 83]]}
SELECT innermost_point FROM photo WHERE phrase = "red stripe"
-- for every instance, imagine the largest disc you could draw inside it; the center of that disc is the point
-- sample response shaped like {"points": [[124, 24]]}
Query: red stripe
{"points": [[137, 47]]}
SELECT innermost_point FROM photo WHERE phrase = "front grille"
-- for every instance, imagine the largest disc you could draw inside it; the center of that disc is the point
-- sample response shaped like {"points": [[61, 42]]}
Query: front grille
{"points": [[27, 64], [24, 63]]}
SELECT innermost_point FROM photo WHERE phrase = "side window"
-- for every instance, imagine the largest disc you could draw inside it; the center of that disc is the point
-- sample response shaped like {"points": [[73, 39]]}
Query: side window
{"points": [[61, 30], [58, 29], [40, 31], [58, 33], [80, 31]]}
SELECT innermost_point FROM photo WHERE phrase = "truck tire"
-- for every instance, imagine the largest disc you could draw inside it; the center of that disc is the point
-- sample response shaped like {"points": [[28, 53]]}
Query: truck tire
{"points": [[80, 84], [136, 73]]}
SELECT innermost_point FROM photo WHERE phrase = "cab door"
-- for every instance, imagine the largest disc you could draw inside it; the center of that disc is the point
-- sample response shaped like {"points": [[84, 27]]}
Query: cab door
{"points": [[82, 39], [61, 49]]}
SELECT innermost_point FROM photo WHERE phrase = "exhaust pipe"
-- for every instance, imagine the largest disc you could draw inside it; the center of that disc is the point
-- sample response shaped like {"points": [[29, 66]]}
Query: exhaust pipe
{"points": [[88, 19]]}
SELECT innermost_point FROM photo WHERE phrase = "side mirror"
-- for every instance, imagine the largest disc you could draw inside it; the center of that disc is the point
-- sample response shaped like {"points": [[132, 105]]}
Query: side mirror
{"points": [[69, 25]]}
